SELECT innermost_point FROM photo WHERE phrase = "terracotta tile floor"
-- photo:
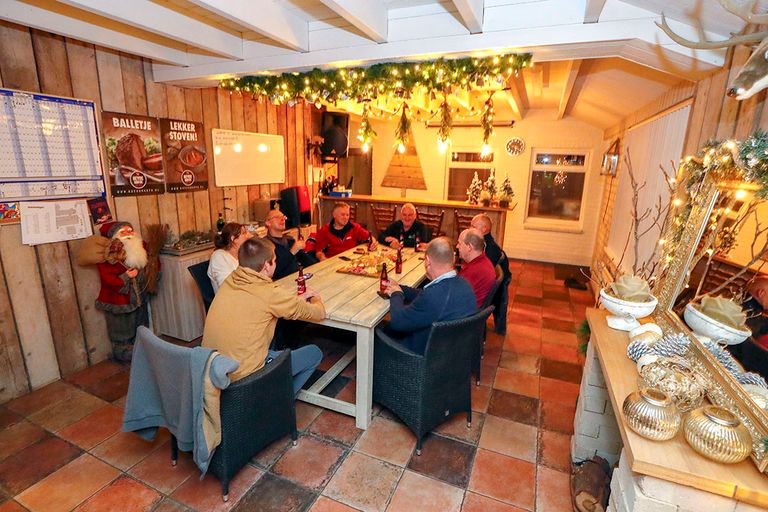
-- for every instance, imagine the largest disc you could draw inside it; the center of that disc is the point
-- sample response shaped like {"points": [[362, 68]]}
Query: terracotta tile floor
{"points": [[61, 448]]}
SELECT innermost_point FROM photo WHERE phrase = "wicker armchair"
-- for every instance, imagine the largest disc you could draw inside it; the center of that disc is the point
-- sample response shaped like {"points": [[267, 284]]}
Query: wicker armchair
{"points": [[461, 222], [255, 411], [433, 221], [477, 358], [383, 216], [424, 390], [199, 273]]}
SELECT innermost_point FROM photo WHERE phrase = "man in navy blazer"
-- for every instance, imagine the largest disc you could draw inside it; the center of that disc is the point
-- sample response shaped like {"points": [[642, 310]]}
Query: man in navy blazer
{"points": [[446, 297]]}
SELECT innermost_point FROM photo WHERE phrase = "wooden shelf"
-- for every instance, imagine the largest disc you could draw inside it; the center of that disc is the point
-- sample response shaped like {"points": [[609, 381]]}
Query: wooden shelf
{"points": [[671, 460]]}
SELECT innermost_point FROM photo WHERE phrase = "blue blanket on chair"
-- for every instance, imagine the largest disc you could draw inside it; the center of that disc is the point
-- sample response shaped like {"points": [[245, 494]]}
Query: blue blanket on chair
{"points": [[166, 390]]}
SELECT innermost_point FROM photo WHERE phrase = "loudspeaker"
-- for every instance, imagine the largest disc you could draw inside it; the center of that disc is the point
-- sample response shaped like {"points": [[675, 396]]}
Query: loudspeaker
{"points": [[295, 204], [335, 135]]}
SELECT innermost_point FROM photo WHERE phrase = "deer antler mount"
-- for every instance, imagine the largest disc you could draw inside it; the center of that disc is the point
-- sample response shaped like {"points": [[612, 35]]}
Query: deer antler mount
{"points": [[753, 76]]}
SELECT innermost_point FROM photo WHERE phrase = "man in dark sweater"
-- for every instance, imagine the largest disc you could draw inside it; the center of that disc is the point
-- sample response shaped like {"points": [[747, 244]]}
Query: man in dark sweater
{"points": [[289, 252], [407, 229], [447, 297], [482, 223]]}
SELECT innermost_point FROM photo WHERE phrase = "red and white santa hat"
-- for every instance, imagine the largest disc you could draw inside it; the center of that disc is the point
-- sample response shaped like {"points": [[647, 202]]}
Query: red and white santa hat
{"points": [[109, 229]]}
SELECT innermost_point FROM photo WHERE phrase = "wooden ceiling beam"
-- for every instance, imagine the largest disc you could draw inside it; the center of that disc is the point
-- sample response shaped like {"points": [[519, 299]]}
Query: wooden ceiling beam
{"points": [[368, 16], [269, 19], [65, 25], [516, 96], [568, 96], [593, 10], [471, 12], [155, 18]]}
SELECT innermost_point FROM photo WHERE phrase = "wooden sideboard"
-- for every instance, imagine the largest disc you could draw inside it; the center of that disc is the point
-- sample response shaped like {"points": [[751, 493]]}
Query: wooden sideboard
{"points": [[672, 461], [178, 309], [498, 216]]}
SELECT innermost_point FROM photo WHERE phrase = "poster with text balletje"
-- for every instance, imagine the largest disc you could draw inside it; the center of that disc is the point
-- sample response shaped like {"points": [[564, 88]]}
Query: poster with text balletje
{"points": [[134, 155], [186, 163]]}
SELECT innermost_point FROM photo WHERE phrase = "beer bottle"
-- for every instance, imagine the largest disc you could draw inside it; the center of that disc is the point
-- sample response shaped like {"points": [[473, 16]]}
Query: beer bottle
{"points": [[301, 282], [384, 281], [371, 247], [220, 223], [299, 236], [399, 261], [401, 240], [418, 241]]}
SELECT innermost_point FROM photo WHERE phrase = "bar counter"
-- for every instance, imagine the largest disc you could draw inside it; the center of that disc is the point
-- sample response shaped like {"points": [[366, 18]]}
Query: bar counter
{"points": [[363, 215]]}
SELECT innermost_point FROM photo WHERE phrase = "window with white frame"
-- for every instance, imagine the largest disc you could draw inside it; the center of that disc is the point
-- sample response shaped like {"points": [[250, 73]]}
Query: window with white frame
{"points": [[461, 169], [556, 185]]}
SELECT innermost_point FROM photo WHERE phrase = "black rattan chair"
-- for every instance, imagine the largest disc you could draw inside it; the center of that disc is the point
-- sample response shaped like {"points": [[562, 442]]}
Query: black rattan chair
{"points": [[199, 273], [255, 412], [477, 359], [424, 390]]}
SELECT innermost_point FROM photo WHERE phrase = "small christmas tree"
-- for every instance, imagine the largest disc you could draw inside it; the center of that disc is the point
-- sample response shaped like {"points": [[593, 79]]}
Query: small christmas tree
{"points": [[506, 190], [490, 184], [473, 192]]}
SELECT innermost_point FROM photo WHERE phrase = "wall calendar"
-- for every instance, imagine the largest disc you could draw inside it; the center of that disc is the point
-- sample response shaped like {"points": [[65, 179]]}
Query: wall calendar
{"points": [[49, 147]]}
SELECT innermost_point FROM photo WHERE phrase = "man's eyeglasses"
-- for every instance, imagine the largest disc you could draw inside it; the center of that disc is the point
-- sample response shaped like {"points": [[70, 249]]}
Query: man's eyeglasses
{"points": [[277, 217]]}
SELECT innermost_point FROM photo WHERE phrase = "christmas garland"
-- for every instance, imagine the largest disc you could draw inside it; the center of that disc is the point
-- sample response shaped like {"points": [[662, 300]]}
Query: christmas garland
{"points": [[395, 79], [403, 131], [366, 134], [446, 125], [486, 123]]}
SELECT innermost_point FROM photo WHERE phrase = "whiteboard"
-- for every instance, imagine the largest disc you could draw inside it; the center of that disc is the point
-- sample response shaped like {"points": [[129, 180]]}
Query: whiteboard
{"points": [[245, 158], [49, 146]]}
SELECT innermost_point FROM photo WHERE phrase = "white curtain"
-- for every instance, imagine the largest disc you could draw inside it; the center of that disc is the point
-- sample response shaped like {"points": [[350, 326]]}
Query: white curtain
{"points": [[658, 143]]}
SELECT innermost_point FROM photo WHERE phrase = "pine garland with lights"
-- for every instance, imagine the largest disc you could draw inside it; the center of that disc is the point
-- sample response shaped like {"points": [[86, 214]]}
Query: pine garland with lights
{"points": [[366, 134], [446, 123], [486, 123], [396, 79], [403, 130]]}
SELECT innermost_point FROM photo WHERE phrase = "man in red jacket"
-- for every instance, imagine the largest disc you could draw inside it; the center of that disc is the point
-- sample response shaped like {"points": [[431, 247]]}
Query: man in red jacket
{"points": [[122, 296], [340, 234]]}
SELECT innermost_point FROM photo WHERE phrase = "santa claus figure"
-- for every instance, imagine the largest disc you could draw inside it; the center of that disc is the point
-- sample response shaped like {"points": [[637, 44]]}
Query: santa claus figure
{"points": [[122, 296]]}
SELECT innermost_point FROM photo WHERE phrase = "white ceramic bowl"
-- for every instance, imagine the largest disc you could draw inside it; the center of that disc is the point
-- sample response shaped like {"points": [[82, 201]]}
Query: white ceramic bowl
{"points": [[706, 327], [628, 308]]}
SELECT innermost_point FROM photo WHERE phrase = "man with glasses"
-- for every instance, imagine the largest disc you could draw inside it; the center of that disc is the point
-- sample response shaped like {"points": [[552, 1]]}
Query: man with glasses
{"points": [[289, 252]]}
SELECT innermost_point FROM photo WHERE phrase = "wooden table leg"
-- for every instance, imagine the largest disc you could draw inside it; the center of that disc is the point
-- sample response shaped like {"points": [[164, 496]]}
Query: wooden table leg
{"points": [[364, 391]]}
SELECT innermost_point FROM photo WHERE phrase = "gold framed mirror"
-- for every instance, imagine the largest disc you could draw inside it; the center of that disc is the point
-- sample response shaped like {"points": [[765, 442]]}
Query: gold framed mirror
{"points": [[716, 197]]}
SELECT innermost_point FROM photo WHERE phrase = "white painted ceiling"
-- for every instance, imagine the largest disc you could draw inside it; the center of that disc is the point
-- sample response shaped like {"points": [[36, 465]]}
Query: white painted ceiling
{"points": [[623, 60]]}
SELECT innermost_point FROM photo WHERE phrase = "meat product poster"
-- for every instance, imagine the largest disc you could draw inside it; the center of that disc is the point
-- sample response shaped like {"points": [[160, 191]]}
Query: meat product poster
{"points": [[186, 164], [134, 155]]}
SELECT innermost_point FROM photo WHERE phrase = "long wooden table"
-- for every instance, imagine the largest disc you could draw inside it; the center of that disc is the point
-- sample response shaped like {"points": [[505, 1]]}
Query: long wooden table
{"points": [[352, 304], [673, 460]]}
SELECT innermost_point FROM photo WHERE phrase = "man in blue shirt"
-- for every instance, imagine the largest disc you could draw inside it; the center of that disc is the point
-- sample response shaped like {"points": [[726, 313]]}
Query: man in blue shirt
{"points": [[446, 297]]}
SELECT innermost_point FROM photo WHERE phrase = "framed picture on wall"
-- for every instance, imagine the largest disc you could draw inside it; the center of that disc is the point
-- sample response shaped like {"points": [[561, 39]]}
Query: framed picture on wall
{"points": [[611, 159]]}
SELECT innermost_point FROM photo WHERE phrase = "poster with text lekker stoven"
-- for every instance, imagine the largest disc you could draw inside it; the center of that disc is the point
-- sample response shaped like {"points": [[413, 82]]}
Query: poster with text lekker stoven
{"points": [[186, 164], [134, 154]]}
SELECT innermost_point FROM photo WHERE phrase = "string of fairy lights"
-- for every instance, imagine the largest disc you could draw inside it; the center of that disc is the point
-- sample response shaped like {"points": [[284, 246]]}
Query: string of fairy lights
{"points": [[744, 163], [385, 91]]}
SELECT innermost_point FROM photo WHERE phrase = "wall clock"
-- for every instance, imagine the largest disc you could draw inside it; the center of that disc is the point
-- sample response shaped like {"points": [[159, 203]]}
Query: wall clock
{"points": [[515, 146]]}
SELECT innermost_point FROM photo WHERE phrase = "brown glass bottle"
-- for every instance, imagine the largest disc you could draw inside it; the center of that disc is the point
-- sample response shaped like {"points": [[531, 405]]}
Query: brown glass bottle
{"points": [[399, 262], [384, 281], [301, 282]]}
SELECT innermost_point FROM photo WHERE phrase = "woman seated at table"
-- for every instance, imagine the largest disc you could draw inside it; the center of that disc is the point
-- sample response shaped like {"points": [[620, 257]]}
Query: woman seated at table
{"points": [[224, 258], [340, 234]]}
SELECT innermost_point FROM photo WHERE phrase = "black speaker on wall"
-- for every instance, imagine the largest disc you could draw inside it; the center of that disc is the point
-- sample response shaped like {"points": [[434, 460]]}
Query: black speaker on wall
{"points": [[295, 205], [335, 136]]}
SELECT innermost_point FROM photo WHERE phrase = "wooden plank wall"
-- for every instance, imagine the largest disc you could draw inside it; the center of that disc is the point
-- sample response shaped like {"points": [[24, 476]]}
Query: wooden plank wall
{"points": [[713, 115], [49, 327]]}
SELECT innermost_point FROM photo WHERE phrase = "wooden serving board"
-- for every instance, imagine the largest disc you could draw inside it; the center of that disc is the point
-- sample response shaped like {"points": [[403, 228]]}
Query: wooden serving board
{"points": [[371, 264]]}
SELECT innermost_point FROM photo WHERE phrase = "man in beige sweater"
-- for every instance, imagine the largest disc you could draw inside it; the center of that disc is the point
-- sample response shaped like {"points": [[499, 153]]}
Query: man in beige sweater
{"points": [[242, 318]]}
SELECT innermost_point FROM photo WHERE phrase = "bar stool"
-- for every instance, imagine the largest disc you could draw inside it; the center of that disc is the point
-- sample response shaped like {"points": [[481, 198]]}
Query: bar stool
{"points": [[383, 216], [461, 222]]}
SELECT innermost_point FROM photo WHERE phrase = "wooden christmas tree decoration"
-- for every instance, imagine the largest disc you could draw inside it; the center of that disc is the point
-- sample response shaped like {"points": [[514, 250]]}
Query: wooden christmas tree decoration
{"points": [[404, 169]]}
